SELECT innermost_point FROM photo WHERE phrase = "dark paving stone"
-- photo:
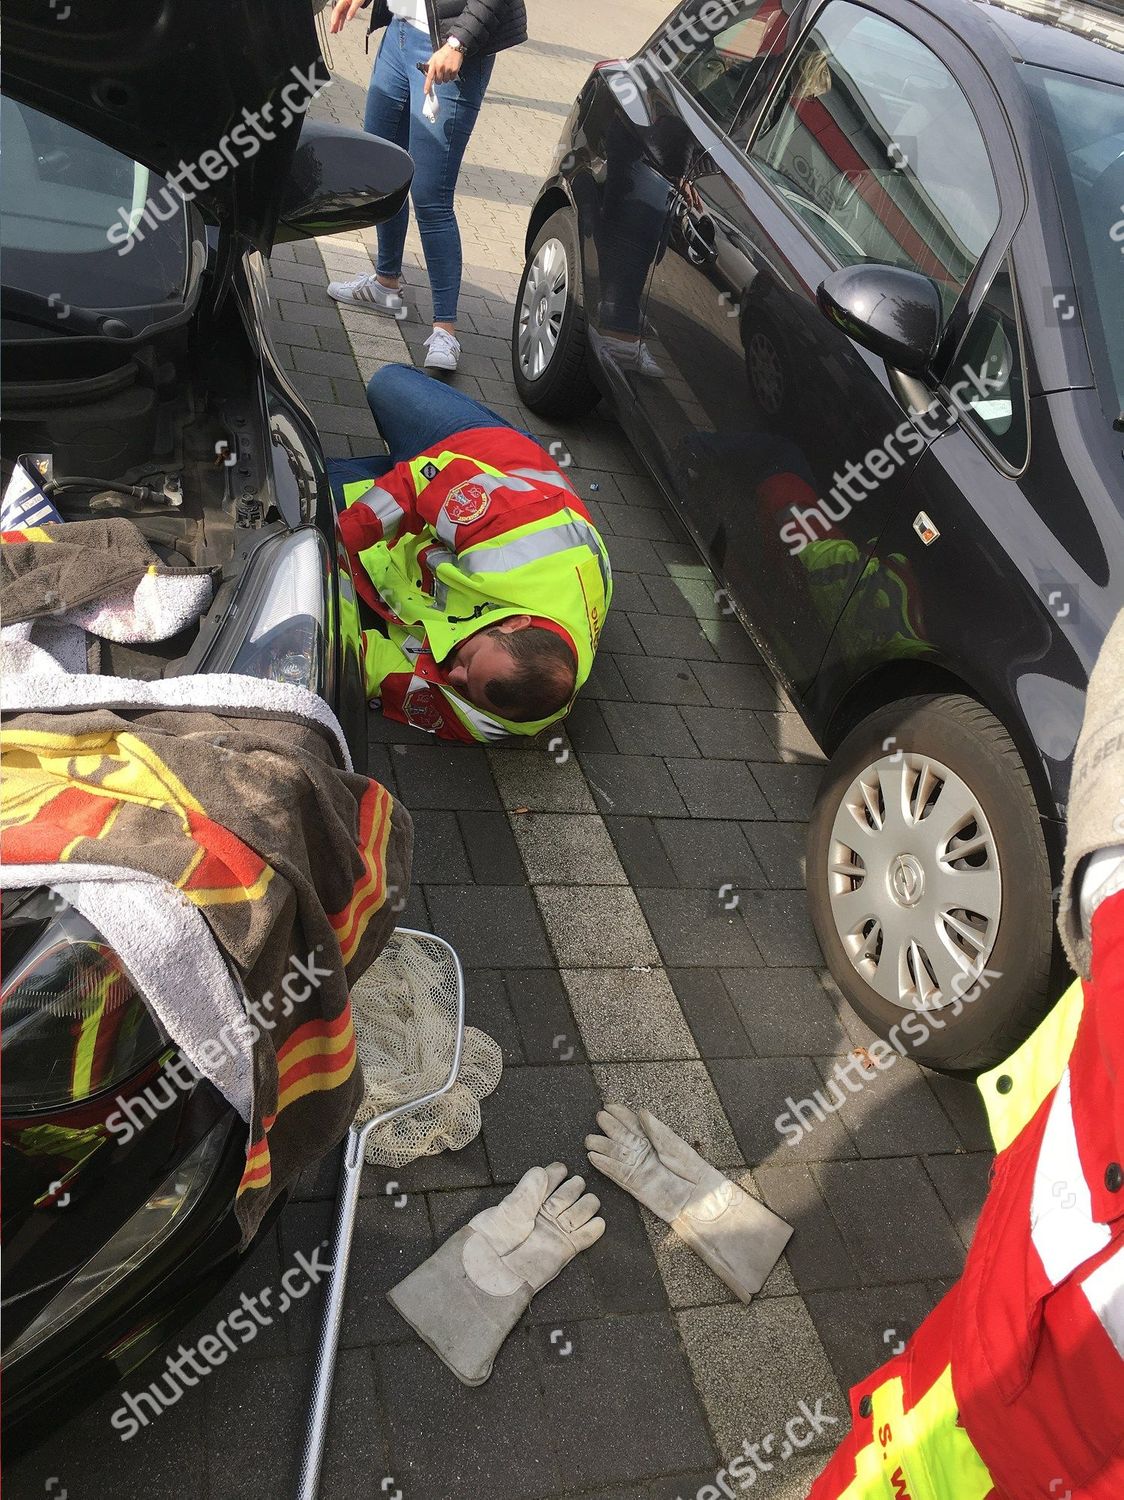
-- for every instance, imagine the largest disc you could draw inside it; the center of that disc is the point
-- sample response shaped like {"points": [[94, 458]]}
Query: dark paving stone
{"points": [[619, 634], [639, 520], [492, 851], [712, 1018], [780, 850], [757, 1091], [892, 1113], [680, 554], [415, 913], [817, 1255], [730, 641], [388, 731], [781, 926], [542, 1012], [587, 730], [736, 684], [380, 766], [962, 1103], [640, 851], [320, 1180], [539, 1115], [630, 554], [452, 1441], [709, 853], [260, 1269], [439, 853], [730, 734], [962, 1182], [490, 926], [648, 729], [672, 635], [863, 1328], [605, 681], [445, 1172], [487, 1006], [662, 679], [453, 776], [718, 789], [389, 1241], [785, 1012], [891, 1219], [609, 1430], [630, 594], [693, 927], [635, 784], [685, 596], [791, 790]]}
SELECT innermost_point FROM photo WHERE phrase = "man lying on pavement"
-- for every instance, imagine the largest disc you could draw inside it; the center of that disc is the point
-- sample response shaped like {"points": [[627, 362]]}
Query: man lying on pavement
{"points": [[489, 581]]}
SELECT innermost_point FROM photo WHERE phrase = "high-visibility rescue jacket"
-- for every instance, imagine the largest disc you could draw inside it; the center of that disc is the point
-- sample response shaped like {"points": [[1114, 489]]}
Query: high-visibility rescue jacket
{"points": [[478, 528], [1014, 1386]]}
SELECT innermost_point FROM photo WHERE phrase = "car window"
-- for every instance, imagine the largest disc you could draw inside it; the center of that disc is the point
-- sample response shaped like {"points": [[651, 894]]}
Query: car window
{"points": [[873, 143], [717, 50], [989, 385]]}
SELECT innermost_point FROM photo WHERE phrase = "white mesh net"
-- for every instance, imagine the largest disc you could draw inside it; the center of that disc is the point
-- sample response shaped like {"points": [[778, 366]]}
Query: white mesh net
{"points": [[405, 1011]]}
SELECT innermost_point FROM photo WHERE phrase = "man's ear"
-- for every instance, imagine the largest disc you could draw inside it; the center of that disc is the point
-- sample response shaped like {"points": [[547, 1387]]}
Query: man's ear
{"points": [[516, 622]]}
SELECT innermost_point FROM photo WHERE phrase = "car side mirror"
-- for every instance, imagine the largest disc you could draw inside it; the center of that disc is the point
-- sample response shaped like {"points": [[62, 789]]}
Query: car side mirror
{"points": [[896, 314], [341, 179]]}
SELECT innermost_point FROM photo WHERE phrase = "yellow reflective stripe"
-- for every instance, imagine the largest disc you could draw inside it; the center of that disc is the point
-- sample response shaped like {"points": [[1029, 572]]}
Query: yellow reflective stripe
{"points": [[1013, 1091], [355, 488], [922, 1454]]}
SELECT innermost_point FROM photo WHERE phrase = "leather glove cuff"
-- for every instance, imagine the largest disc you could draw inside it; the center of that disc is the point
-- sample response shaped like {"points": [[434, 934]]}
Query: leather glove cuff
{"points": [[739, 1239]]}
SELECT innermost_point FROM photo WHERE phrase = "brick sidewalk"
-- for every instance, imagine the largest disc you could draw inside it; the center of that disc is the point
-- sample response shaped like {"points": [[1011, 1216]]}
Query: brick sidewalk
{"points": [[589, 888]]}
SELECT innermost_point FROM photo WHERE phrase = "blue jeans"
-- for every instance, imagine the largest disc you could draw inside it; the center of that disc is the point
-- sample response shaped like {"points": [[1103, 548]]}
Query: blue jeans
{"points": [[394, 111]]}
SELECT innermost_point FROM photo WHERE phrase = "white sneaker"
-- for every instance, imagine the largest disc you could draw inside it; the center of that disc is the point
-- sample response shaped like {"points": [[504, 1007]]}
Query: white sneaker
{"points": [[444, 350], [368, 292], [630, 354]]}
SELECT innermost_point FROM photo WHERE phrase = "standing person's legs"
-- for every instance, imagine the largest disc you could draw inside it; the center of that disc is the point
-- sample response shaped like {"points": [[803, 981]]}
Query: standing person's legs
{"points": [[389, 99], [414, 412]]}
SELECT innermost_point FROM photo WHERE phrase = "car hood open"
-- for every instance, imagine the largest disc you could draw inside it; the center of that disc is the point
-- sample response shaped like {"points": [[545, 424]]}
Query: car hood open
{"points": [[174, 85]]}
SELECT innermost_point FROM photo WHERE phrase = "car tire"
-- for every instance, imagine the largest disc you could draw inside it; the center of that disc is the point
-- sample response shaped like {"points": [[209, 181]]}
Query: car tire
{"points": [[971, 888], [767, 368], [549, 336]]}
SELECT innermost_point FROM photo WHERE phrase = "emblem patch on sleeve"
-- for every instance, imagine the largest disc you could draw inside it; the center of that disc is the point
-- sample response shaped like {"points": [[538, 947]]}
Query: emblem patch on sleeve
{"points": [[467, 502], [430, 470]]}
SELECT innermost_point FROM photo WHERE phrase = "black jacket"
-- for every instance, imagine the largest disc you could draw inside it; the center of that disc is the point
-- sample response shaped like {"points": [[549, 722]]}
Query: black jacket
{"points": [[479, 25]]}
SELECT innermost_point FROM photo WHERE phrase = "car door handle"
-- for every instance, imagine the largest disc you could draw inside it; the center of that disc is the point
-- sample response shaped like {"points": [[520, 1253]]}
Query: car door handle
{"points": [[699, 237]]}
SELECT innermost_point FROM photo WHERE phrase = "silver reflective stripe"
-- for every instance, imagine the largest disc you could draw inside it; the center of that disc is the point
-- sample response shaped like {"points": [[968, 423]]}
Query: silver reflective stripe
{"points": [[1062, 1228], [433, 558], [487, 727], [553, 477], [447, 529], [538, 545], [385, 506]]}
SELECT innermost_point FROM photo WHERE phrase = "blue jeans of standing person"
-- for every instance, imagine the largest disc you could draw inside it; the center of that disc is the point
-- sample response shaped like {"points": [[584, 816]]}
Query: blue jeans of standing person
{"points": [[394, 111]]}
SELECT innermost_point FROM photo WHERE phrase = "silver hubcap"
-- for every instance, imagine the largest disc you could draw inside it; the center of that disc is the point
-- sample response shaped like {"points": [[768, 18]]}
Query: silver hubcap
{"points": [[766, 374], [542, 308], [914, 881]]}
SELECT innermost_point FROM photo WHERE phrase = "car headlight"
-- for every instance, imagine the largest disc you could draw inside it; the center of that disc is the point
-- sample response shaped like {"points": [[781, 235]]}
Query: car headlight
{"points": [[72, 1023], [278, 627], [137, 1239]]}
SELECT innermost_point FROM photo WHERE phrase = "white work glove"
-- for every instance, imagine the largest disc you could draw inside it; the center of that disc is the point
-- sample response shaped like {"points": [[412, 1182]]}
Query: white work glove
{"points": [[739, 1239], [468, 1296]]}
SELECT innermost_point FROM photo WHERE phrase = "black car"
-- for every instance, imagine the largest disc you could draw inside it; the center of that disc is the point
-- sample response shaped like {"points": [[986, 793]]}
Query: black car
{"points": [[136, 354], [852, 275]]}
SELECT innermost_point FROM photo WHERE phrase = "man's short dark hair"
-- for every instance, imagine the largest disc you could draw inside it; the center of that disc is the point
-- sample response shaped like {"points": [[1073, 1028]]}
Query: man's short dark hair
{"points": [[543, 681]]}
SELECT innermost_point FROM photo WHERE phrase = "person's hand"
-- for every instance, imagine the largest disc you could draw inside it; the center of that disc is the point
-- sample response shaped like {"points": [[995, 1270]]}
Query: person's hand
{"points": [[342, 12], [444, 65]]}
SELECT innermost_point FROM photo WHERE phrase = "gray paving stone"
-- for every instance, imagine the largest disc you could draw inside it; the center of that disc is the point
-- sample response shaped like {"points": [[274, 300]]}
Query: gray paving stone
{"points": [[640, 851], [595, 926], [444, 1433], [661, 679], [447, 1171], [539, 1115], [488, 1006], [791, 737], [709, 853], [730, 734], [492, 851], [440, 776], [758, 1091], [696, 597], [619, 634], [640, 520], [546, 1023], [735, 684], [627, 1015], [682, 1095], [631, 594], [629, 554], [730, 640], [892, 1113], [962, 1182], [605, 682], [345, 419], [625, 784], [648, 729], [695, 927], [754, 1364], [779, 848], [781, 926], [530, 779], [817, 1255], [673, 635], [718, 789], [439, 853], [862, 1328], [586, 730], [790, 790], [490, 926], [961, 1101], [567, 848], [892, 1220], [785, 1012], [712, 1018], [608, 1430]]}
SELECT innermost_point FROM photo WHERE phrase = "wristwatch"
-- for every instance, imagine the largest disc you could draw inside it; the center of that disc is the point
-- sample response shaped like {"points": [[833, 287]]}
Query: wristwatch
{"points": [[456, 42]]}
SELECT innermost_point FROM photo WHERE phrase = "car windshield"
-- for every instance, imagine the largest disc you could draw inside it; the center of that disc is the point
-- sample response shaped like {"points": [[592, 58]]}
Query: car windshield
{"points": [[1084, 124], [63, 195]]}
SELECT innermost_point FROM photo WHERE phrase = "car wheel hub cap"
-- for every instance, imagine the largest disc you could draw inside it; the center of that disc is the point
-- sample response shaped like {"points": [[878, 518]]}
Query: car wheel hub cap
{"points": [[914, 881], [766, 373], [542, 307]]}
